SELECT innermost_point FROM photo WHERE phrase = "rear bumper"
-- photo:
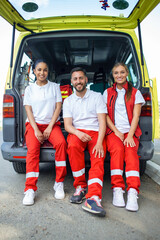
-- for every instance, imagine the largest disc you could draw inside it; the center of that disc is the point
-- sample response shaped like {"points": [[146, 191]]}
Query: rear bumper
{"points": [[146, 150], [13, 153]]}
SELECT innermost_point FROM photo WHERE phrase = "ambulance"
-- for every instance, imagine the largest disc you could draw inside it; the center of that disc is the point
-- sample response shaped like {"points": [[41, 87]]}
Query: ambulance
{"points": [[92, 34]]}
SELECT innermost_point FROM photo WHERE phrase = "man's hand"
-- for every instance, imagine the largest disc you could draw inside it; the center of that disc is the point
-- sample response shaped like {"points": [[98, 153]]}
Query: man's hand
{"points": [[98, 150], [84, 137]]}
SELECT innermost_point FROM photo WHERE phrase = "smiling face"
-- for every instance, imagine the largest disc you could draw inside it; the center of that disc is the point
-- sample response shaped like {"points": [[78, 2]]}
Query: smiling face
{"points": [[41, 72], [79, 81], [120, 74]]}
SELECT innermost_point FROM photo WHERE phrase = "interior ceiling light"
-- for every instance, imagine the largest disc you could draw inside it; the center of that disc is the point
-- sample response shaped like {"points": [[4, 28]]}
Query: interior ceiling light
{"points": [[30, 7], [120, 4]]}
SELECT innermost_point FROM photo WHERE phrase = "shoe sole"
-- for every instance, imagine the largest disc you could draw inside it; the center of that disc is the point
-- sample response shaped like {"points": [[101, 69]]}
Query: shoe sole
{"points": [[100, 214], [59, 198], [132, 210], [28, 204], [76, 202], [120, 206]]}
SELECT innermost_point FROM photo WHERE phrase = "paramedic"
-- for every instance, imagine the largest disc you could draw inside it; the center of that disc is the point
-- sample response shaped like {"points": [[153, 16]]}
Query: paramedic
{"points": [[42, 101], [84, 114], [123, 132]]}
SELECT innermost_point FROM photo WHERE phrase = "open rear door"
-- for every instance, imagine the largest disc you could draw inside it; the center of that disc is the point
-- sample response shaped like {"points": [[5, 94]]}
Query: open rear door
{"points": [[155, 108], [46, 15]]}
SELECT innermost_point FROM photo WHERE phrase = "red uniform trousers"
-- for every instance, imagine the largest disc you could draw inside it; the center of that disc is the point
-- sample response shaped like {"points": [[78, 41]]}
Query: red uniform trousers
{"points": [[57, 139], [120, 154], [77, 161]]}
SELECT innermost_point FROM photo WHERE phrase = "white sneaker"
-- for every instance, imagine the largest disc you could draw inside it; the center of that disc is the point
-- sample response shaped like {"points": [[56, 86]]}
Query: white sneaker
{"points": [[29, 197], [59, 190], [118, 199], [132, 204]]}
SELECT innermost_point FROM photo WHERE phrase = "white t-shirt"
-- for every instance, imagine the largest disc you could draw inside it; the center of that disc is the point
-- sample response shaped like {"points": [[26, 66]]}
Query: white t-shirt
{"points": [[43, 100], [83, 111], [121, 118]]}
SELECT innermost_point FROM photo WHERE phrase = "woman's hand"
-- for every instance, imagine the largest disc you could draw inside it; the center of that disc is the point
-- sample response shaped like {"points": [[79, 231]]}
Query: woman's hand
{"points": [[39, 136], [129, 141], [98, 150], [120, 135], [47, 132]]}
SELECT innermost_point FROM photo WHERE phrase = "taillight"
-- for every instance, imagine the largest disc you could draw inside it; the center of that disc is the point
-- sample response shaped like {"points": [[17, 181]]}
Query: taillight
{"points": [[147, 107], [8, 106]]}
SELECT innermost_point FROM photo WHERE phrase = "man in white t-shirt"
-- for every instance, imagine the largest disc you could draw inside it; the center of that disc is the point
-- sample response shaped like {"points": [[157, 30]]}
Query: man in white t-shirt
{"points": [[84, 114]]}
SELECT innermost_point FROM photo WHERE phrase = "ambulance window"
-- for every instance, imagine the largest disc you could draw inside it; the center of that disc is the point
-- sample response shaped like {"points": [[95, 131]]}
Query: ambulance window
{"points": [[26, 69], [24, 75], [133, 75]]}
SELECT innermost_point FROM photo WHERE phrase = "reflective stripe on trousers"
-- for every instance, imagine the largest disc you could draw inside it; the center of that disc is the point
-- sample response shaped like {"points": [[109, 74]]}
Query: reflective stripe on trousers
{"points": [[121, 154], [32, 159], [76, 150]]}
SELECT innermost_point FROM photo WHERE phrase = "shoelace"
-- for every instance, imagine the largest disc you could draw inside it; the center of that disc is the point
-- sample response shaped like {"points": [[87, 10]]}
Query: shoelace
{"points": [[78, 190], [118, 191], [60, 186], [29, 192], [97, 199], [133, 196]]}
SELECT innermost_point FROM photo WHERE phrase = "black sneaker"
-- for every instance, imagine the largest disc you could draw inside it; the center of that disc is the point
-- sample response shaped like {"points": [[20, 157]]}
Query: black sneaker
{"points": [[79, 195], [93, 205]]}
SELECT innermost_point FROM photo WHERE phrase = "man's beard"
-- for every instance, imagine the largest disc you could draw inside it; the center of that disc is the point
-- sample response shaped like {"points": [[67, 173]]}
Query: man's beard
{"points": [[82, 89]]}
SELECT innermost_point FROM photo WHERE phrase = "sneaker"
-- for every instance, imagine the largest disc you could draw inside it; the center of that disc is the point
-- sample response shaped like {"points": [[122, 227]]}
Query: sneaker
{"points": [[29, 197], [93, 205], [59, 190], [79, 195], [118, 199], [132, 204]]}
